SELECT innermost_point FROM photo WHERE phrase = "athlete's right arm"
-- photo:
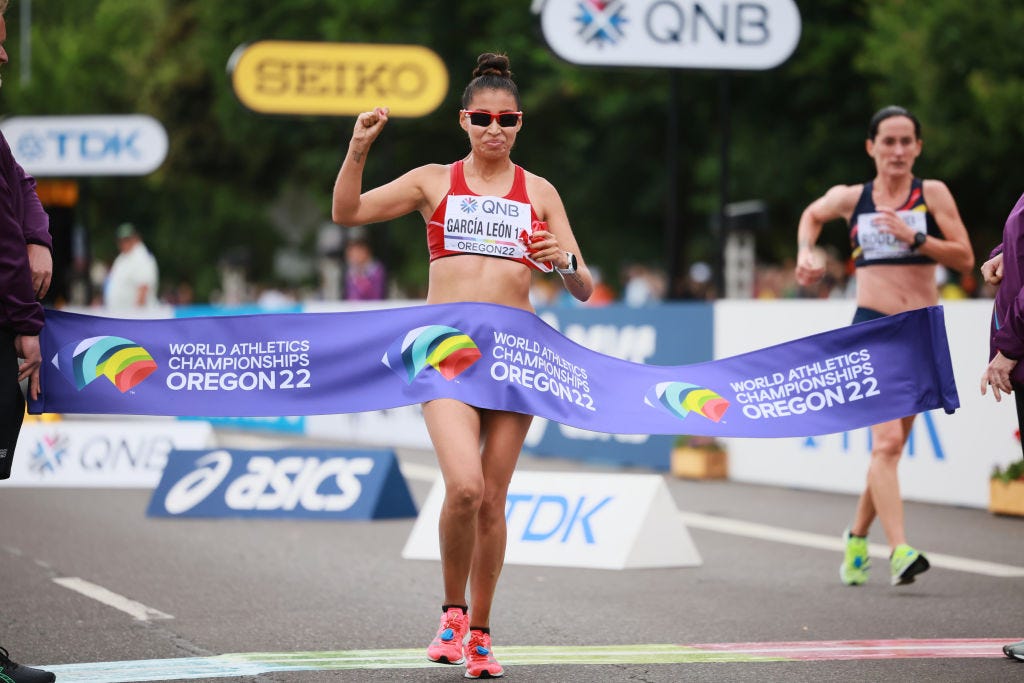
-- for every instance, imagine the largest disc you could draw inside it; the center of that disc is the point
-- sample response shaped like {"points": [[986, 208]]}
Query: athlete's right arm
{"points": [[350, 206], [838, 202]]}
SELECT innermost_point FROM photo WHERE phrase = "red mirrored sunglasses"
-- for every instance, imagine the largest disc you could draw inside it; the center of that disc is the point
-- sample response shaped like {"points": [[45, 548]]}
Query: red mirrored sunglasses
{"points": [[506, 119]]}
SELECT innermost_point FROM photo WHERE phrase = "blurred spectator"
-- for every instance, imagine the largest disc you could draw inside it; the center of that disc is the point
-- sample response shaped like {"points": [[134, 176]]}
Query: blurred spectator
{"points": [[132, 282], [603, 294], [697, 284], [544, 289], [365, 279], [643, 286]]}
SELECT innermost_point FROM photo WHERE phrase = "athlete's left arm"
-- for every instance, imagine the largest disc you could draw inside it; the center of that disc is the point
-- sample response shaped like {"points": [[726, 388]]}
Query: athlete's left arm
{"points": [[559, 237], [955, 250]]}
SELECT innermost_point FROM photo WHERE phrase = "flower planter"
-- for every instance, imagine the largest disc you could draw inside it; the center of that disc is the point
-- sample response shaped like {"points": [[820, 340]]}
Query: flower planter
{"points": [[1006, 498], [699, 463]]}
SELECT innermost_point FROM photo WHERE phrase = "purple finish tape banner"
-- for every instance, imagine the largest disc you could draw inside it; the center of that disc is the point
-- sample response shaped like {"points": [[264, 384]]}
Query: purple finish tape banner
{"points": [[489, 356]]}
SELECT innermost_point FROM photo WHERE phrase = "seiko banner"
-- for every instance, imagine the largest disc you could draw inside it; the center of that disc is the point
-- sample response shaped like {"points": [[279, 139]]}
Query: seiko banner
{"points": [[712, 34], [68, 146], [299, 483], [337, 79]]}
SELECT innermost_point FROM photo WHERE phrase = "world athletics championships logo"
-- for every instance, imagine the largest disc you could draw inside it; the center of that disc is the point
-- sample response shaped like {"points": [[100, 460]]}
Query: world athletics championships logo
{"points": [[680, 399], [601, 22], [120, 360], [446, 349]]}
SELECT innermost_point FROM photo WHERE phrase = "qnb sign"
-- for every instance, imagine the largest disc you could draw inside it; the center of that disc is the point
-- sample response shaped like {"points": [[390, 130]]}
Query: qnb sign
{"points": [[337, 79], [132, 144], [707, 34]]}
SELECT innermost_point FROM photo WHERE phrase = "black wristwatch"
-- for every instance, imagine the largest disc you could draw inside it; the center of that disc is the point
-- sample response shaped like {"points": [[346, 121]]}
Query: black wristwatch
{"points": [[919, 239], [570, 268]]}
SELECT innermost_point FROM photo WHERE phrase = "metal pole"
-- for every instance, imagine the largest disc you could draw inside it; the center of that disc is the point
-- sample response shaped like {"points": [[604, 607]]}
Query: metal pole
{"points": [[26, 41], [672, 185], [725, 102]]}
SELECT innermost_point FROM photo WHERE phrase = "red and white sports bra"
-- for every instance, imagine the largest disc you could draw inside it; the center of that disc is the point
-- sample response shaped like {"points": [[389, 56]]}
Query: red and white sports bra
{"points": [[468, 223]]}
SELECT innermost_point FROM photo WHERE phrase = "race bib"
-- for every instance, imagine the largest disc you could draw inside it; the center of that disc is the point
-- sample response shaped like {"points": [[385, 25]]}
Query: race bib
{"points": [[491, 226], [881, 245]]}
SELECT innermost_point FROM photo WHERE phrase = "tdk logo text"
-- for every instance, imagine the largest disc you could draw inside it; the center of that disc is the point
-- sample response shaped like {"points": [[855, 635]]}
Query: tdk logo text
{"points": [[87, 145], [281, 484], [553, 518]]}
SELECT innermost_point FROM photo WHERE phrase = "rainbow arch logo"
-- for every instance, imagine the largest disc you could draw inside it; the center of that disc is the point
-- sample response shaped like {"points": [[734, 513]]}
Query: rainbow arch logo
{"points": [[120, 360], [446, 349], [680, 399]]}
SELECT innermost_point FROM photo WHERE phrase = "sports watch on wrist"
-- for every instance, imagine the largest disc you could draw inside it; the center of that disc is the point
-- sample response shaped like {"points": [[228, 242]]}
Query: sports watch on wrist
{"points": [[570, 268], [919, 239]]}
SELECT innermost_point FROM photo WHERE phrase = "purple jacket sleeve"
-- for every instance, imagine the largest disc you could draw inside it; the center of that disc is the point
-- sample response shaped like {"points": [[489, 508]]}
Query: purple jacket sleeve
{"points": [[36, 222], [19, 310], [1008, 323]]}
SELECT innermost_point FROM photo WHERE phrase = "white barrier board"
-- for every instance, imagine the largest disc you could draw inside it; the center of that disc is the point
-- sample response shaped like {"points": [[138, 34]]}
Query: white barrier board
{"points": [[562, 519], [129, 453], [948, 459]]}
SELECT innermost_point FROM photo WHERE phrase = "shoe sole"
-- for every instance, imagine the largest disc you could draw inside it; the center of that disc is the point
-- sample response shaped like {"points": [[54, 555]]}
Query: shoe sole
{"points": [[918, 566], [444, 660], [485, 674], [842, 579]]}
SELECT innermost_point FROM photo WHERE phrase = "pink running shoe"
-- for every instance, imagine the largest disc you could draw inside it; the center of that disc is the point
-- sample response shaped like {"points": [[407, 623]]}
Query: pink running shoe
{"points": [[480, 661], [447, 645]]}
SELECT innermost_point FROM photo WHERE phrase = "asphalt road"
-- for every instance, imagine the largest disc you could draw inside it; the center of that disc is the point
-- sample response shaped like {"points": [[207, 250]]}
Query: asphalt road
{"points": [[328, 592]]}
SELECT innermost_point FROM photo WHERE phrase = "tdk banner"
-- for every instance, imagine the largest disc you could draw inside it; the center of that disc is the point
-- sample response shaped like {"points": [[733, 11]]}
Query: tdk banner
{"points": [[292, 483]]}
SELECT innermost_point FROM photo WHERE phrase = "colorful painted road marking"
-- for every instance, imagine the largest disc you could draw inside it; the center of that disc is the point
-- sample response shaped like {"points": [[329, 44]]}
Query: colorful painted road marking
{"points": [[256, 663]]}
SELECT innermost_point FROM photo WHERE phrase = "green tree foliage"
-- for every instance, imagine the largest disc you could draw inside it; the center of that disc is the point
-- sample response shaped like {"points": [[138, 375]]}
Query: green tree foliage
{"points": [[959, 66], [240, 185]]}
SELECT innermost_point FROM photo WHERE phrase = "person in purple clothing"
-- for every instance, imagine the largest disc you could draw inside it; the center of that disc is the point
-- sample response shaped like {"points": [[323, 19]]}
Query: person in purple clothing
{"points": [[1005, 374], [365, 278], [26, 266]]}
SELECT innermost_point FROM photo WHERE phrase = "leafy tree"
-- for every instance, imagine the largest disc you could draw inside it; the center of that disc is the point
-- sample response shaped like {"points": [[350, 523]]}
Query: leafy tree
{"points": [[238, 185]]}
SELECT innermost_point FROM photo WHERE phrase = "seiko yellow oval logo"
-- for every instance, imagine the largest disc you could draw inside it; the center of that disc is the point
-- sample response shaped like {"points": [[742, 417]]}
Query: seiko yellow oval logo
{"points": [[339, 79]]}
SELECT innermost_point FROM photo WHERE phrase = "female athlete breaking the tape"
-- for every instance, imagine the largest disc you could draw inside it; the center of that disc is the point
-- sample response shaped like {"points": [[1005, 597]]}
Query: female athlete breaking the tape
{"points": [[476, 449]]}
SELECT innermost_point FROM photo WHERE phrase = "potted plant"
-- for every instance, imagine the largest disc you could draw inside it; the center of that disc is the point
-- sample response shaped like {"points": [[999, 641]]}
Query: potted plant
{"points": [[1006, 489], [699, 457]]}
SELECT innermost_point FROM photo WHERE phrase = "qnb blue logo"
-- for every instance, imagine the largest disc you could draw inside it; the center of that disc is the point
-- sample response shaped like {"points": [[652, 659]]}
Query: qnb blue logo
{"points": [[554, 518], [601, 22], [88, 145]]}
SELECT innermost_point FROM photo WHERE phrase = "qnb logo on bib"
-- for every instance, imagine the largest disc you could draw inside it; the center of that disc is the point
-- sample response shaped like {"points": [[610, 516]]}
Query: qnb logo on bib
{"points": [[120, 360], [446, 349], [486, 225]]}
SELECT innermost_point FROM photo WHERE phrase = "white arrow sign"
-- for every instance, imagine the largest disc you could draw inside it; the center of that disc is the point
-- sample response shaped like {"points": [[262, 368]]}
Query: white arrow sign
{"points": [[65, 146], [710, 34]]}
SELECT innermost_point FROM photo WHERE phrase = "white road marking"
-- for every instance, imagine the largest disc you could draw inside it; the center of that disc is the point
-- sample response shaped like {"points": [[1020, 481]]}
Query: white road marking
{"points": [[802, 538], [107, 597], [806, 539]]}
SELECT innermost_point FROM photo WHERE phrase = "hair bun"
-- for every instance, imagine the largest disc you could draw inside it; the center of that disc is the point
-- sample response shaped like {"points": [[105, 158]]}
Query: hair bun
{"points": [[490, 64]]}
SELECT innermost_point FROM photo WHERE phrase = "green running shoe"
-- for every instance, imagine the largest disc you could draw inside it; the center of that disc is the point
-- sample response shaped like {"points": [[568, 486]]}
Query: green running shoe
{"points": [[854, 569], [906, 563]]}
